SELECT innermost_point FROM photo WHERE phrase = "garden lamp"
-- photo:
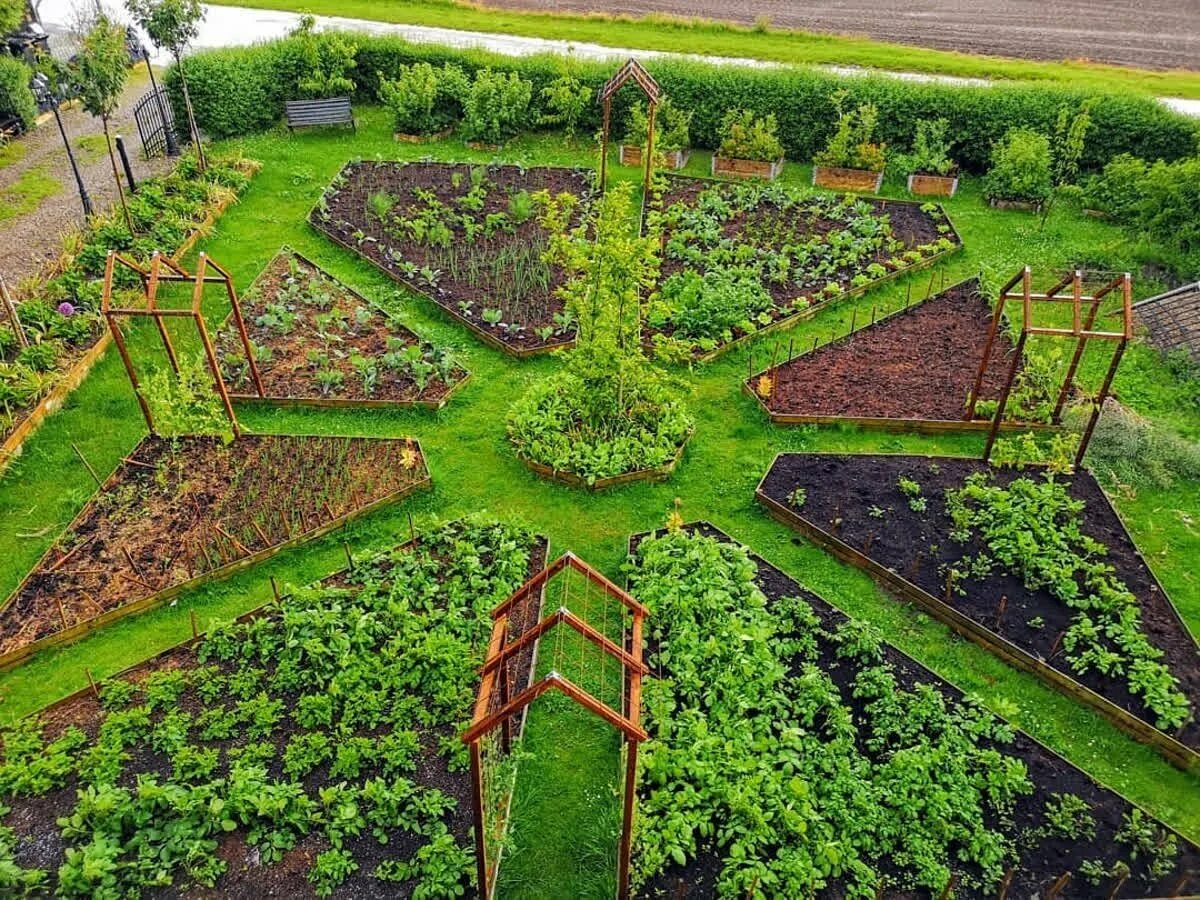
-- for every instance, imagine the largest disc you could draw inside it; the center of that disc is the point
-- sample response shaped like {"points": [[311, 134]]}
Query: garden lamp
{"points": [[46, 96]]}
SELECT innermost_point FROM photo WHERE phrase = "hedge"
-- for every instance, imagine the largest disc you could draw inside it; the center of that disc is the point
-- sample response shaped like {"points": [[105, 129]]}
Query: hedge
{"points": [[238, 91], [16, 99]]}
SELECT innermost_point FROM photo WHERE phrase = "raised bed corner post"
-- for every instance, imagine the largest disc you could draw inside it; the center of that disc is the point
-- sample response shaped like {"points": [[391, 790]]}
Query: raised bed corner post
{"points": [[607, 101]]}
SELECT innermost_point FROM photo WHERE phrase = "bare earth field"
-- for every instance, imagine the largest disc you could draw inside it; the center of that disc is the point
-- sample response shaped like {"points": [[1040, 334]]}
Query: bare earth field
{"points": [[1153, 34]]}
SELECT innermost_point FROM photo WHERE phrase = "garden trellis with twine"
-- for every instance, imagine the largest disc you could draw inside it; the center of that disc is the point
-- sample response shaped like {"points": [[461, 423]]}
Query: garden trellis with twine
{"points": [[567, 629], [1082, 330]]}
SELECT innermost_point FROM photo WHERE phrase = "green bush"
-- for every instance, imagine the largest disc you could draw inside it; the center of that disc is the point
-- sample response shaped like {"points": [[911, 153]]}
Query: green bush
{"points": [[851, 145], [930, 154], [671, 127], [747, 136], [1020, 168], [496, 106], [422, 99], [16, 99], [256, 80], [1116, 190]]}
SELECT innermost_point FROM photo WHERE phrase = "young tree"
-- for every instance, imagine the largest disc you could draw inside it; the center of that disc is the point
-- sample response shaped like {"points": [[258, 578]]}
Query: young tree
{"points": [[99, 73], [172, 25], [1070, 133]]}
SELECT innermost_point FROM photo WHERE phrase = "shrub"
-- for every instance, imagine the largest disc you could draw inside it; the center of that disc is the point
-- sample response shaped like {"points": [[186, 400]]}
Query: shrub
{"points": [[328, 62], [16, 99], [1118, 189], [747, 136], [930, 153], [496, 106], [566, 101], [1020, 168], [422, 99], [850, 146], [671, 127]]}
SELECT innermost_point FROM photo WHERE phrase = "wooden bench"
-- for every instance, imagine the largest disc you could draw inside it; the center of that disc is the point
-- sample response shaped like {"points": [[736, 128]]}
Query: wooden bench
{"points": [[310, 113]]}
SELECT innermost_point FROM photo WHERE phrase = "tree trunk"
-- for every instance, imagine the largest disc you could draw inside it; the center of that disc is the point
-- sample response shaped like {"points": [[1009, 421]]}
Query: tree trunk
{"points": [[112, 158], [193, 128]]}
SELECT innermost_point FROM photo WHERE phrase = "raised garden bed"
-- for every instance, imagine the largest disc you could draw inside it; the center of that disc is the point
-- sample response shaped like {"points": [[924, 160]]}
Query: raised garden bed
{"points": [[839, 179], [658, 473], [842, 744], [326, 721], [33, 395], [317, 342], [741, 259], [467, 237], [631, 155], [926, 185], [892, 516], [178, 513], [911, 370], [731, 167]]}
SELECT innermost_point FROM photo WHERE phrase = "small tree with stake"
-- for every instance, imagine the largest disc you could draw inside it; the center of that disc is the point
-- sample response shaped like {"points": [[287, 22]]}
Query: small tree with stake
{"points": [[99, 73], [172, 25]]}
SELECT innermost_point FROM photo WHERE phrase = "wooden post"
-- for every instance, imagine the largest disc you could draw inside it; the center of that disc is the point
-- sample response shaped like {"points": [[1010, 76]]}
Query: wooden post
{"points": [[1117, 885], [87, 465], [604, 149], [1080, 346], [997, 313], [1018, 352], [218, 381], [412, 530], [92, 683], [195, 628], [1057, 887], [1098, 406], [1006, 883], [10, 310], [481, 867], [62, 612], [506, 725], [349, 555], [274, 588], [119, 340], [949, 888], [653, 108], [240, 321], [152, 303]]}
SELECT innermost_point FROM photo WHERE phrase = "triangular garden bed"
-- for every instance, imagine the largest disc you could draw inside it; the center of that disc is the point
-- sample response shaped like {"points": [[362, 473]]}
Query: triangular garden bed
{"points": [[887, 514], [177, 513], [318, 342]]}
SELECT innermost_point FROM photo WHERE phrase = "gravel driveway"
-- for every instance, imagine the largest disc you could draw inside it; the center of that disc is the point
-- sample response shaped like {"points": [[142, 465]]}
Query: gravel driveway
{"points": [[1152, 34]]}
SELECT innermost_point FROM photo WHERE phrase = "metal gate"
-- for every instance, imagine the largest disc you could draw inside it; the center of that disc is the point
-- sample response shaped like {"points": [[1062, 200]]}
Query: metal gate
{"points": [[154, 116]]}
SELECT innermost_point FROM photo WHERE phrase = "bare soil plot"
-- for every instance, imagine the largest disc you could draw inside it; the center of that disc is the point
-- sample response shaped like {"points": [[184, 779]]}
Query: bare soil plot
{"points": [[176, 511]]}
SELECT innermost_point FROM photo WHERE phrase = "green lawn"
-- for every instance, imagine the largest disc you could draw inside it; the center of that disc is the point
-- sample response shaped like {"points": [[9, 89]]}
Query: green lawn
{"points": [[27, 193], [565, 809], [721, 39]]}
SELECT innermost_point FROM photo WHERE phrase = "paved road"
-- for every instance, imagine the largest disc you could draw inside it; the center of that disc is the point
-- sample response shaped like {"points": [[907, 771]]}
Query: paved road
{"points": [[1152, 34]]}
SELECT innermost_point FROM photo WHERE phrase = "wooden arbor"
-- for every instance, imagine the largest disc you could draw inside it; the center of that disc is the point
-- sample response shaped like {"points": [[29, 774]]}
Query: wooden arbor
{"points": [[522, 637], [1081, 330], [162, 270], [631, 70]]}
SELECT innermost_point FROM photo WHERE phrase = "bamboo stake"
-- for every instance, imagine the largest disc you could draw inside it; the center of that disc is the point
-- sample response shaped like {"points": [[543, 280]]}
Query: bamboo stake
{"points": [[274, 588], [92, 683], [87, 465], [62, 613], [195, 630], [10, 309]]}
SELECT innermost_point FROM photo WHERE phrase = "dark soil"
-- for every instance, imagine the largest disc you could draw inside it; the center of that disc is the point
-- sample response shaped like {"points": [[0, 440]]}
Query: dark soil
{"points": [[289, 373], [842, 490], [176, 509], [767, 225], [475, 273], [918, 364], [40, 845], [1041, 860]]}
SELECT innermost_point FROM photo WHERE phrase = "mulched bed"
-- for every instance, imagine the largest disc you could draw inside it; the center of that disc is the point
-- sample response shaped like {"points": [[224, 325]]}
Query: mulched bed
{"points": [[920, 363], [1040, 864], [841, 491], [40, 845], [909, 224], [177, 509], [474, 273], [335, 332]]}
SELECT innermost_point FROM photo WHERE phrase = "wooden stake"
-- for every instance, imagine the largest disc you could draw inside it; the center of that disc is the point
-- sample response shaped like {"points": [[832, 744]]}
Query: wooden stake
{"points": [[87, 465], [62, 613], [92, 683], [1057, 887], [132, 564], [10, 309], [853, 320], [1054, 646], [275, 588], [349, 555], [1120, 881], [412, 531], [1000, 611], [949, 888], [1006, 883], [195, 628]]}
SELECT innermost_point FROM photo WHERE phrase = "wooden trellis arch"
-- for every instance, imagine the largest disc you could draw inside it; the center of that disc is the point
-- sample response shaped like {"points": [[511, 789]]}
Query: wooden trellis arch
{"points": [[632, 70], [1082, 325], [161, 270], [496, 706]]}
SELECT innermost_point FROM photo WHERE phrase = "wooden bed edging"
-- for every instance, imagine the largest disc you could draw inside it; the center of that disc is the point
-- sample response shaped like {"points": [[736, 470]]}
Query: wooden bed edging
{"points": [[20, 655], [658, 473], [75, 376], [1173, 751], [921, 668], [338, 402]]}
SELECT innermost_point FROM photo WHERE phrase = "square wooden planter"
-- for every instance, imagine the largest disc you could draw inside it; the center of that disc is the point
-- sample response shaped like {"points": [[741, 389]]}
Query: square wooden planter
{"points": [[746, 168], [932, 185], [631, 155], [859, 180]]}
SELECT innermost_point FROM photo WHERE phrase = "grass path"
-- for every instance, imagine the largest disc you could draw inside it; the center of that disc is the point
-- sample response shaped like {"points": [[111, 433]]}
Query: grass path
{"points": [[562, 844]]}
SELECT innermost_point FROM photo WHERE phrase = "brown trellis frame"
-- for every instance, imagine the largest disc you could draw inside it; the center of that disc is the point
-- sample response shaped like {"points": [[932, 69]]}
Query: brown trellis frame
{"points": [[160, 270], [631, 70], [1081, 330], [489, 716]]}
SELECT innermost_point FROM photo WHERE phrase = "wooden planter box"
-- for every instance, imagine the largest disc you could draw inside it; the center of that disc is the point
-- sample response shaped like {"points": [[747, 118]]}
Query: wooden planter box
{"points": [[932, 185], [631, 155], [660, 473], [424, 138], [746, 168], [1023, 205], [859, 180]]}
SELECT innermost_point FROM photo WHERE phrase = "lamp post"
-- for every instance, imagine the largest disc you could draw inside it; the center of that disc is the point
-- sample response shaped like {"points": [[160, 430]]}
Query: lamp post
{"points": [[46, 95], [172, 148]]}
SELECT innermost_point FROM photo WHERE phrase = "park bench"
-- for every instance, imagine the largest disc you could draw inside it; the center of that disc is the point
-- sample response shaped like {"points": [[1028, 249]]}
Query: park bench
{"points": [[309, 113]]}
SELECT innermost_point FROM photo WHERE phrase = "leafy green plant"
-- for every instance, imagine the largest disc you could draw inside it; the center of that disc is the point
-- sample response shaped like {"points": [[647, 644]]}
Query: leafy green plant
{"points": [[186, 402], [1021, 168], [930, 154], [496, 106], [747, 136], [671, 127], [566, 100], [851, 146], [424, 100]]}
